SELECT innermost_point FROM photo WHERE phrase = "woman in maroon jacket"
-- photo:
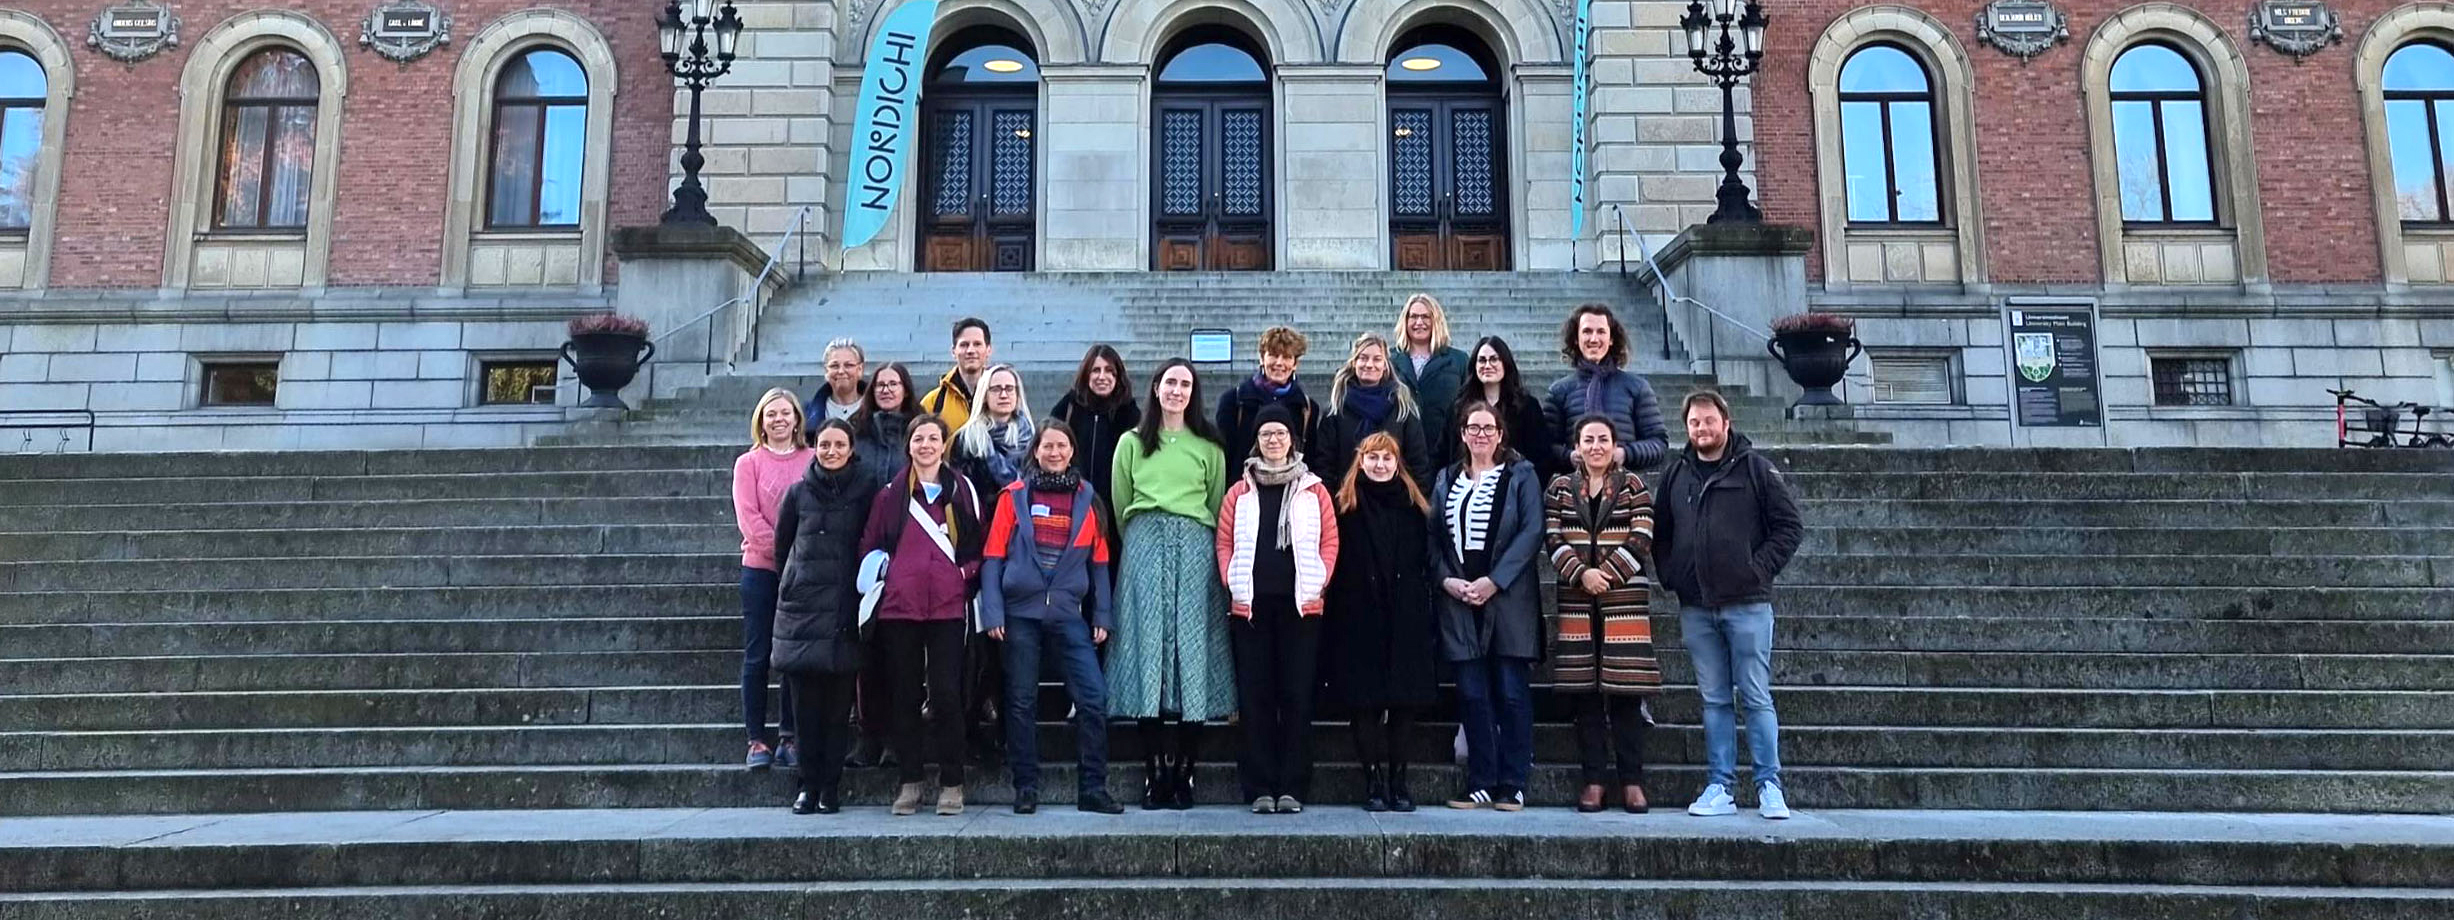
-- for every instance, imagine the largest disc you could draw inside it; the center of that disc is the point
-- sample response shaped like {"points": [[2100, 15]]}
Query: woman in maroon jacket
{"points": [[921, 553]]}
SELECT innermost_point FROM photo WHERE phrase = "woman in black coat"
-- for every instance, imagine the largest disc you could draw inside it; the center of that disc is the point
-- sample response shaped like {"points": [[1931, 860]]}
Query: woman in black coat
{"points": [[1366, 397], [817, 612], [1492, 379], [1382, 634], [1099, 408]]}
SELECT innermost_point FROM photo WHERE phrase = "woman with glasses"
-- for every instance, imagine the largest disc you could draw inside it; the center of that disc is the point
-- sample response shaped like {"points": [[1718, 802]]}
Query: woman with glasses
{"points": [[1487, 532], [1494, 381]]}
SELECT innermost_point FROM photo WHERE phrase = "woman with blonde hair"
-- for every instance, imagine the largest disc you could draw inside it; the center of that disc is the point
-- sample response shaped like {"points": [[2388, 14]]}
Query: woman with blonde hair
{"points": [[994, 446], [1382, 637], [778, 457], [1434, 369], [1365, 398]]}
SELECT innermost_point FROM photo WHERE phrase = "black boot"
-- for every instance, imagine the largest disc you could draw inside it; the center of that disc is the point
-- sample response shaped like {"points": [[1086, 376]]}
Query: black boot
{"points": [[1157, 786], [866, 753], [1181, 793], [1375, 789], [1400, 798]]}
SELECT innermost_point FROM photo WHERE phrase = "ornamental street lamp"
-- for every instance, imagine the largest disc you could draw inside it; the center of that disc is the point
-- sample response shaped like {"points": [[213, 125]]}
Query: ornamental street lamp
{"points": [[687, 56], [1729, 58]]}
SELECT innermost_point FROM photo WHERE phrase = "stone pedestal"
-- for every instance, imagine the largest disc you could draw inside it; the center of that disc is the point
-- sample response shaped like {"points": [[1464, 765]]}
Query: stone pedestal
{"points": [[699, 290], [1747, 275]]}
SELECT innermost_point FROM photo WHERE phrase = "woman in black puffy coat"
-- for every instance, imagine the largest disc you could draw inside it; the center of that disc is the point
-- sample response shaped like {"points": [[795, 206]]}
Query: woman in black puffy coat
{"points": [[817, 612]]}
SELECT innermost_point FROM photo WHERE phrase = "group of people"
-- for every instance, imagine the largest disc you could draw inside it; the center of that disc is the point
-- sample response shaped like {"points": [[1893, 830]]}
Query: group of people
{"points": [[922, 558]]}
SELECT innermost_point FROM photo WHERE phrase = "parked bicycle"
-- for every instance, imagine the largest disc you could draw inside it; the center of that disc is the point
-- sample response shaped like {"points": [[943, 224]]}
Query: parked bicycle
{"points": [[2379, 424]]}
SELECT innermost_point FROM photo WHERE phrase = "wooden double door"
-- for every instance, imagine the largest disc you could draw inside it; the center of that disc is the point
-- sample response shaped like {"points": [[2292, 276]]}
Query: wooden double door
{"points": [[1210, 181], [1448, 183], [981, 190]]}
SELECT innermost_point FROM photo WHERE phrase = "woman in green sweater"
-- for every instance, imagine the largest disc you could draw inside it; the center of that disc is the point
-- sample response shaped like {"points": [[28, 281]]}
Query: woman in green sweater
{"points": [[1169, 660]]}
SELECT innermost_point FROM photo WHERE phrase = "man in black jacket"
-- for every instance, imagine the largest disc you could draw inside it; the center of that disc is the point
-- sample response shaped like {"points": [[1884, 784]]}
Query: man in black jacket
{"points": [[1724, 525]]}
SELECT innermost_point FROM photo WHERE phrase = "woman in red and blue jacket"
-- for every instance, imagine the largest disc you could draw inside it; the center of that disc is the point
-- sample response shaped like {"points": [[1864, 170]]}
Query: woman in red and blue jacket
{"points": [[1044, 594]]}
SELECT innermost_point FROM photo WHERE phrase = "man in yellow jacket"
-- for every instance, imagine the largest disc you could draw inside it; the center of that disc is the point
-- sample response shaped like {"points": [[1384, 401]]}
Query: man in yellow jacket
{"points": [[951, 400]]}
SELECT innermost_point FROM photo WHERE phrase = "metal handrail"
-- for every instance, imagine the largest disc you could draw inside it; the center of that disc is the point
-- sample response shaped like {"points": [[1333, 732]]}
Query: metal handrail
{"points": [[25, 446], [1670, 295], [757, 286]]}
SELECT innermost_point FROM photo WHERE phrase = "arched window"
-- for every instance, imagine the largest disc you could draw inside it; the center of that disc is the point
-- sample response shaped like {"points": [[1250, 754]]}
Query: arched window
{"points": [[1887, 138], [2419, 88], [540, 140], [2160, 137], [1213, 62], [23, 89], [268, 142]]}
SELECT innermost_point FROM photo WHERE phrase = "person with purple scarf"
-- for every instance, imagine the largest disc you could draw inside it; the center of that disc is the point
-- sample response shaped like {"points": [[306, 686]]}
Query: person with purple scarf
{"points": [[1274, 384], [1597, 344]]}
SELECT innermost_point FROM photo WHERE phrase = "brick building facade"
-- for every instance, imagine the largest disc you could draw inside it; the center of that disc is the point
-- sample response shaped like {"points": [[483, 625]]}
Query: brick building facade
{"points": [[2304, 278]]}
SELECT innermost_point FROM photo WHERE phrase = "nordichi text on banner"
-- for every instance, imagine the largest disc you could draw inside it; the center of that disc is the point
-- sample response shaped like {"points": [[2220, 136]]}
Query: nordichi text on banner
{"points": [[888, 118], [1576, 125]]}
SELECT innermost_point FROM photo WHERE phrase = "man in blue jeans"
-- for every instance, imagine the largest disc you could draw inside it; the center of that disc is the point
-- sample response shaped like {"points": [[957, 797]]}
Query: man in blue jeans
{"points": [[1724, 525]]}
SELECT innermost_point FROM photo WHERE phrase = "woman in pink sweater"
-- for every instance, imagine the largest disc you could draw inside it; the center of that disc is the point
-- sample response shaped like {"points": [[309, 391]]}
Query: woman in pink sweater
{"points": [[777, 458]]}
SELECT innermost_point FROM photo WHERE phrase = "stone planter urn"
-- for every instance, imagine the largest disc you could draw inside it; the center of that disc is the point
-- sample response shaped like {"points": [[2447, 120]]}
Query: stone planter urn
{"points": [[606, 350], [1816, 349]]}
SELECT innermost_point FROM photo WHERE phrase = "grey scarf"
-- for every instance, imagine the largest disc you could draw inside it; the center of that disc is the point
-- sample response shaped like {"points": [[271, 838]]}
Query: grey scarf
{"points": [[1260, 473]]}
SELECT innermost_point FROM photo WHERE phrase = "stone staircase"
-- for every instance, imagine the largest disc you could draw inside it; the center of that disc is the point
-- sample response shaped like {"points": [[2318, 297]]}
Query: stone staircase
{"points": [[1044, 321], [197, 648]]}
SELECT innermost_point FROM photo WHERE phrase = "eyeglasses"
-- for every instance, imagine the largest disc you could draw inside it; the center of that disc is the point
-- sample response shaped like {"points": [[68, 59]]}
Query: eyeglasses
{"points": [[1488, 359], [1483, 429], [1004, 388]]}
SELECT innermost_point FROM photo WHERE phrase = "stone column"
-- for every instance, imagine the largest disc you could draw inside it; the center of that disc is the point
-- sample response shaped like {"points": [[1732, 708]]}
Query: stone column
{"points": [[1751, 274], [1331, 167], [1655, 126], [1545, 105], [1094, 191], [672, 275], [767, 128]]}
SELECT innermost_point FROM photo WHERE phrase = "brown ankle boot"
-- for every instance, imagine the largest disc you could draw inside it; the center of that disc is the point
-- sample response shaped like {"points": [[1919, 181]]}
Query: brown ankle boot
{"points": [[907, 798]]}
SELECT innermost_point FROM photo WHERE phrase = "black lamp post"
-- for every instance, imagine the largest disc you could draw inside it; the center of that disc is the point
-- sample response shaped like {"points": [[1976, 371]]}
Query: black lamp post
{"points": [[1729, 58], [687, 56]]}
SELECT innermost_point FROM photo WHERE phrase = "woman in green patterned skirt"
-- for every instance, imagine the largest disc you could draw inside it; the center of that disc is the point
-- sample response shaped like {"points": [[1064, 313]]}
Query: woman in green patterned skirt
{"points": [[1169, 660]]}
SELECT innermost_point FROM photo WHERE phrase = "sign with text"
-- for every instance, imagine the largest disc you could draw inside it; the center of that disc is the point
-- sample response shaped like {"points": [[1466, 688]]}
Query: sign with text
{"points": [[133, 31], [883, 126], [2024, 28], [404, 30], [2054, 379], [1576, 124], [2295, 27]]}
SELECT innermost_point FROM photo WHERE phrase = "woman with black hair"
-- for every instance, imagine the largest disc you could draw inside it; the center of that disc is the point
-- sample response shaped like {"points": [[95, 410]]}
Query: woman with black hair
{"points": [[1487, 536], [1494, 381], [1169, 660], [817, 613], [1101, 409]]}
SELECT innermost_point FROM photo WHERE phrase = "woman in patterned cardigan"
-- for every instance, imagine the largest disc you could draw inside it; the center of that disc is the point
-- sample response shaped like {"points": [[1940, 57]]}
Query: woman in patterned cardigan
{"points": [[1600, 531]]}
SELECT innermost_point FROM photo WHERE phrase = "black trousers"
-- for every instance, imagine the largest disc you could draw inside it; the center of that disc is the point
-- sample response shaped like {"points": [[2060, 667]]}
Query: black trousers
{"points": [[1277, 655], [1380, 736], [822, 720], [924, 664], [1610, 724], [872, 707]]}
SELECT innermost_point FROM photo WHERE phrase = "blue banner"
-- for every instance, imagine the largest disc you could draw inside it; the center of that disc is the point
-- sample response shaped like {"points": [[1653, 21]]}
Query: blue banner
{"points": [[1576, 127], [888, 118]]}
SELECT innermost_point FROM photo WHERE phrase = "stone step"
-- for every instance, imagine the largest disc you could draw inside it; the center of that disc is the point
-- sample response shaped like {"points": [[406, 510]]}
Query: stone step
{"points": [[680, 846], [204, 514], [2129, 541], [1801, 745], [665, 482], [395, 571], [2110, 601], [123, 790], [293, 464], [2204, 461], [1262, 898], [718, 702], [2053, 512], [491, 540], [360, 603], [2129, 571], [605, 633], [2243, 487], [406, 670]]}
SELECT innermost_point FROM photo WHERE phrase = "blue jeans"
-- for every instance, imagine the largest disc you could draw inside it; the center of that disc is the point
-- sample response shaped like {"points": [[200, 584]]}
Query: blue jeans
{"points": [[1067, 639], [1732, 650], [758, 590], [1496, 699]]}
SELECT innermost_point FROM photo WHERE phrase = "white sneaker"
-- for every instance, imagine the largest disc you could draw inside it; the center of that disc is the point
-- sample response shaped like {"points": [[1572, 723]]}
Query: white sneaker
{"points": [[1716, 800], [1770, 802]]}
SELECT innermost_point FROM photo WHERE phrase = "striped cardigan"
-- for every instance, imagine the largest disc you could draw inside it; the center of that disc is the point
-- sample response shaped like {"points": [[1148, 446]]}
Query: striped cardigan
{"points": [[1314, 538], [1602, 643]]}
